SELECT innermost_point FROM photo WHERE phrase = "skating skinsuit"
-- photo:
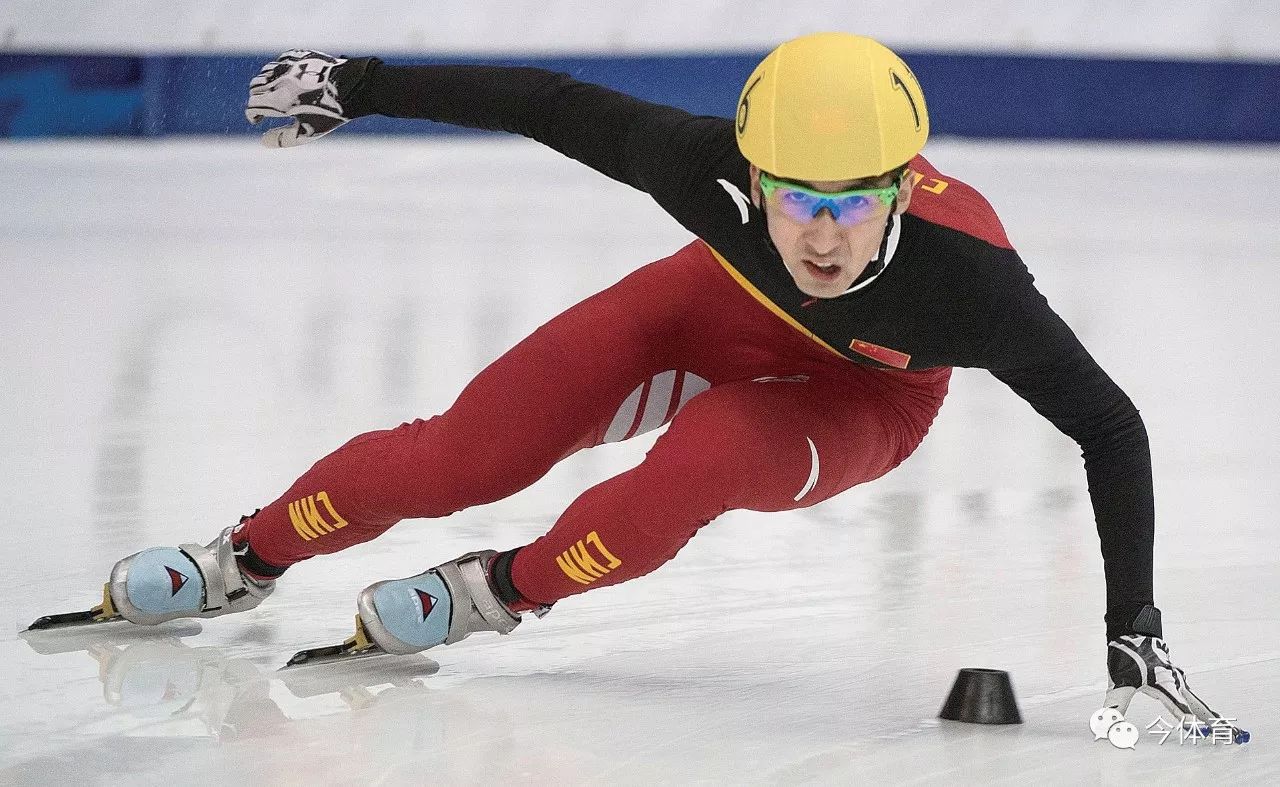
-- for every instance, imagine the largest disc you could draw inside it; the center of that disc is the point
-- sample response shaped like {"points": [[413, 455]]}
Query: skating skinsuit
{"points": [[806, 378]]}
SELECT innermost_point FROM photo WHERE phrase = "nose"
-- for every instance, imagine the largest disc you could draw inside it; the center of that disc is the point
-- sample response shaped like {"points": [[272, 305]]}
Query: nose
{"points": [[822, 233]]}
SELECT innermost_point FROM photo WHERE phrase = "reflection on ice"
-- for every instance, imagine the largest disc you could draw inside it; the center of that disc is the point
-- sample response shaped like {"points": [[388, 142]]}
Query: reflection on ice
{"points": [[154, 676]]}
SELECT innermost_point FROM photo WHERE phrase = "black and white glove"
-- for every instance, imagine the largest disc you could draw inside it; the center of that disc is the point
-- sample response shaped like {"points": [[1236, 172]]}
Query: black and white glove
{"points": [[1139, 662], [303, 85]]}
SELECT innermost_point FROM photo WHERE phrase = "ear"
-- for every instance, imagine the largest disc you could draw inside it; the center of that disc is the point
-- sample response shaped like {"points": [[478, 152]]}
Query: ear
{"points": [[757, 196], [904, 193]]}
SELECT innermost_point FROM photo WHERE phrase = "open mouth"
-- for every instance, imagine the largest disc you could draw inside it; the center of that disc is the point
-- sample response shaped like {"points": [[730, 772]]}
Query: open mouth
{"points": [[822, 272]]}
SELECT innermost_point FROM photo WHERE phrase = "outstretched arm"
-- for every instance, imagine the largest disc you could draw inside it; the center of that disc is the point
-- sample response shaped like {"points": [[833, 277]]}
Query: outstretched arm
{"points": [[661, 150], [1039, 357], [647, 146], [1069, 388]]}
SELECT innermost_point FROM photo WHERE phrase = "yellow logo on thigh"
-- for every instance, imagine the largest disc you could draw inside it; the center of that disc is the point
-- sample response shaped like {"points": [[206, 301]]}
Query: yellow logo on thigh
{"points": [[308, 520], [581, 566]]}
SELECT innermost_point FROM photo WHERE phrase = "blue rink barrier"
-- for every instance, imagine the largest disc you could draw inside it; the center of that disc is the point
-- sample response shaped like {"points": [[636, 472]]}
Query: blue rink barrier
{"points": [[970, 95]]}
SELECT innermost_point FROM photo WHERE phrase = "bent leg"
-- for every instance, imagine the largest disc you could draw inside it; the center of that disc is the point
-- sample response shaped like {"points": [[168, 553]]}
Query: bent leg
{"points": [[569, 385], [765, 446]]}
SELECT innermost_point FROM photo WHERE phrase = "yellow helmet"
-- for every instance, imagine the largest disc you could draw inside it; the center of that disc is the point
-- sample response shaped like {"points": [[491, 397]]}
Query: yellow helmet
{"points": [[831, 106]]}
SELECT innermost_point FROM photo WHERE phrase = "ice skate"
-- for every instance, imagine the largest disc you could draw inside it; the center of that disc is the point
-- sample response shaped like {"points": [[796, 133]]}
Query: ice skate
{"points": [[165, 583], [440, 606]]}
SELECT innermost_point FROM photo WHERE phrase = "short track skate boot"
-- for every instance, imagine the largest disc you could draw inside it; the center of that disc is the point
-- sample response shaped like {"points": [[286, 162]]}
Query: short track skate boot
{"points": [[189, 581], [440, 606], [437, 607]]}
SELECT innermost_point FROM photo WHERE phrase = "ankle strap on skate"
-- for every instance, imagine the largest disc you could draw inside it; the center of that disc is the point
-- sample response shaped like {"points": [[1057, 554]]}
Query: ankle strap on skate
{"points": [[216, 561], [468, 577]]}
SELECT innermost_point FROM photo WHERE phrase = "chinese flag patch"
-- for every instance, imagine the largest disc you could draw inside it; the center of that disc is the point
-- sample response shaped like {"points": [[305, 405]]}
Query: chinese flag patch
{"points": [[884, 355]]}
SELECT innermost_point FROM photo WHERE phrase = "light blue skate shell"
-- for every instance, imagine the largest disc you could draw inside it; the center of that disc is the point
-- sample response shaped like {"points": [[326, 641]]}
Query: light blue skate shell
{"points": [[164, 580], [415, 610]]}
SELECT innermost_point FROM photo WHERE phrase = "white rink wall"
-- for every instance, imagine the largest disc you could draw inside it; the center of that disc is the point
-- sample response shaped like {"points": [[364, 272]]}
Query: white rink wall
{"points": [[1212, 29]]}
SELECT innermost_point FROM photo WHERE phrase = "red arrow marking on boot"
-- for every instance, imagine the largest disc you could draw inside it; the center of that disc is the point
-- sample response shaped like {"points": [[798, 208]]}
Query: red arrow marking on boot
{"points": [[427, 600], [176, 579]]}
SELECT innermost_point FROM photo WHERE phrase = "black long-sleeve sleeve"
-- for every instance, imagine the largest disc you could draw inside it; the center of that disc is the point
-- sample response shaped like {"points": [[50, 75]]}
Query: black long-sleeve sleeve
{"points": [[1037, 355], [658, 149]]}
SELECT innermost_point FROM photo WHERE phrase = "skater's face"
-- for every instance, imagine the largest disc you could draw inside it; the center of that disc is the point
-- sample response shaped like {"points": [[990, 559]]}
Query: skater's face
{"points": [[823, 255]]}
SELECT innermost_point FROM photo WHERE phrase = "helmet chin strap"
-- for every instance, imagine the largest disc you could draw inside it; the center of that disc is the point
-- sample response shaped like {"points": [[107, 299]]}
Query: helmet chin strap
{"points": [[876, 265]]}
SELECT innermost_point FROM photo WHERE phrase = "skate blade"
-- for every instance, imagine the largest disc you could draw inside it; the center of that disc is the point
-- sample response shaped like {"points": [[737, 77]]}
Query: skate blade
{"points": [[356, 646], [102, 613]]}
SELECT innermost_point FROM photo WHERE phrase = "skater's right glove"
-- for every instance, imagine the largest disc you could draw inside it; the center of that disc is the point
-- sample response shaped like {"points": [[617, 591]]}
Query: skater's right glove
{"points": [[1139, 663], [308, 87]]}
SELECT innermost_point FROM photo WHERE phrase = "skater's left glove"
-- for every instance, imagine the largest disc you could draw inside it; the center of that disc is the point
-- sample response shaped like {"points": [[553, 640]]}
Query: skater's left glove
{"points": [[1139, 662]]}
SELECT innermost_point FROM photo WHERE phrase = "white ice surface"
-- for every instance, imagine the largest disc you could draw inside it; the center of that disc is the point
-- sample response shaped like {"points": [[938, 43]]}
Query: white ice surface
{"points": [[187, 325]]}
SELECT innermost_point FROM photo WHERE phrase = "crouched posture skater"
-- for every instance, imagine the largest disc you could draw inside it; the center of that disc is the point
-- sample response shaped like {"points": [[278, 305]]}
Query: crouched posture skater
{"points": [[802, 345]]}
